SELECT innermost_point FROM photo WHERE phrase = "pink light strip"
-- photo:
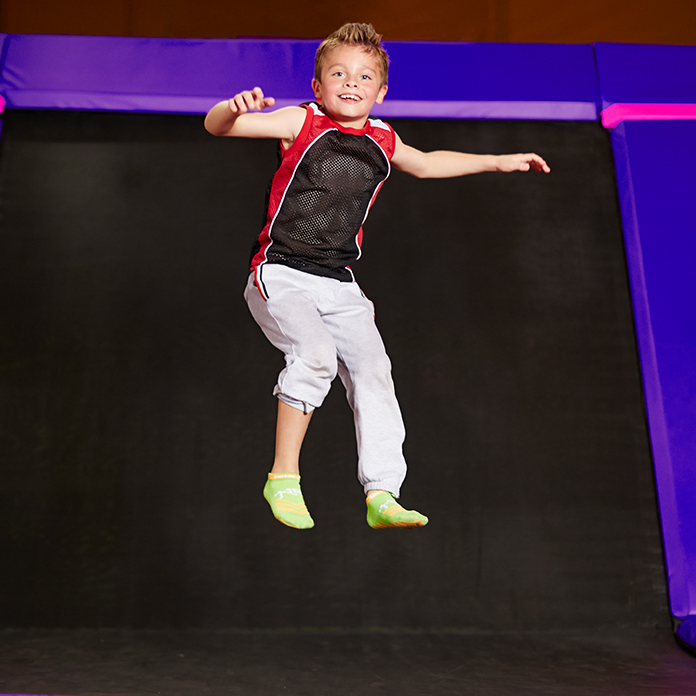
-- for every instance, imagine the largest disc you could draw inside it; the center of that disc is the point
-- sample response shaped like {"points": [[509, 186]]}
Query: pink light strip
{"points": [[616, 113]]}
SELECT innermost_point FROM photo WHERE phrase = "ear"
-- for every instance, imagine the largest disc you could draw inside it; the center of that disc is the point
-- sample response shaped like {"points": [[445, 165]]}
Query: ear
{"points": [[381, 94], [316, 88]]}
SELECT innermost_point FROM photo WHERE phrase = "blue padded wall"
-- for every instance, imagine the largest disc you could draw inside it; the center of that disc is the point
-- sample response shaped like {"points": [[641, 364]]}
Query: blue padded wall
{"points": [[656, 184], [634, 73], [429, 79]]}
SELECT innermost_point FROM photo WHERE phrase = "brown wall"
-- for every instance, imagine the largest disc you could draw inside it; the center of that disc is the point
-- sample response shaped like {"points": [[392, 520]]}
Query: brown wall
{"points": [[548, 21]]}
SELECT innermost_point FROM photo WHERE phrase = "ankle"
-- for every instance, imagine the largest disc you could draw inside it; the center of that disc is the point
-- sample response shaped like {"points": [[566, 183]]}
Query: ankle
{"points": [[283, 467]]}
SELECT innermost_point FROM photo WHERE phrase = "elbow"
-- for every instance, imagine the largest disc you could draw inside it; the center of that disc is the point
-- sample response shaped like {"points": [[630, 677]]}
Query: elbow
{"points": [[421, 172], [210, 126], [213, 124], [422, 168], [418, 171]]}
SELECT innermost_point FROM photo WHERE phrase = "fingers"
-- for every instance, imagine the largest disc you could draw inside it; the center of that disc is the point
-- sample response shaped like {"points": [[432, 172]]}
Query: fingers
{"points": [[249, 100], [524, 162], [533, 161]]}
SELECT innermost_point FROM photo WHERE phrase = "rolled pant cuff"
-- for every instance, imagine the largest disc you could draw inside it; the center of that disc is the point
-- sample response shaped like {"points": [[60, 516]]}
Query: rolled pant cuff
{"points": [[389, 486], [295, 403]]}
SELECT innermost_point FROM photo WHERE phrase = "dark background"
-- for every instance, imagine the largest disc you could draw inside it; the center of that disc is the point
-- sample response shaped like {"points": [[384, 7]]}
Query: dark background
{"points": [[137, 419], [526, 21]]}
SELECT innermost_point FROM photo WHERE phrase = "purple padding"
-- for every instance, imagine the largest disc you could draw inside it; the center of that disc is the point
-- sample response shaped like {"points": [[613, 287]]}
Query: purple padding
{"points": [[428, 79], [505, 110], [687, 631], [656, 184], [614, 114], [492, 72], [646, 74], [168, 75]]}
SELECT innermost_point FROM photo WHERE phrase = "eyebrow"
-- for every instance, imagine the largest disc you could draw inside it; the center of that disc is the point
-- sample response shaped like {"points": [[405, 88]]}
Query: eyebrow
{"points": [[333, 66]]}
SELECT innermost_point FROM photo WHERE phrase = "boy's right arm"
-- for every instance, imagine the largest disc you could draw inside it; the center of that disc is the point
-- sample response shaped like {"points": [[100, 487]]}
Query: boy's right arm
{"points": [[232, 118]]}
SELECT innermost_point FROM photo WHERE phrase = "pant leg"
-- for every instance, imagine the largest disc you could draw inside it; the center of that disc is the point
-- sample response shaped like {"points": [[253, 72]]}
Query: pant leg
{"points": [[365, 370], [325, 326], [289, 318]]}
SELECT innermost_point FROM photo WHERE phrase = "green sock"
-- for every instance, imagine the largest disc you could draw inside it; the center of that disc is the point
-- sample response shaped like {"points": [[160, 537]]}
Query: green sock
{"points": [[283, 493], [383, 511]]}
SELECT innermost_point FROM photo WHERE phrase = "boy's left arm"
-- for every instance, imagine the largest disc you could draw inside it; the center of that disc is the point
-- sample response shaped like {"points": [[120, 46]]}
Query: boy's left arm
{"points": [[442, 164]]}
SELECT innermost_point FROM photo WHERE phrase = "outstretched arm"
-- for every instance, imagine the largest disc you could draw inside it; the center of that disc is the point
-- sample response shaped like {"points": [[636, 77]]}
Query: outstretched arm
{"points": [[442, 164], [232, 118]]}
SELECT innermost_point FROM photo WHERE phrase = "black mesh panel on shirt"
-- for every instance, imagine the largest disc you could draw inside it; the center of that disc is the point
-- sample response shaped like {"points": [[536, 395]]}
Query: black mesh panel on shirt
{"points": [[326, 203]]}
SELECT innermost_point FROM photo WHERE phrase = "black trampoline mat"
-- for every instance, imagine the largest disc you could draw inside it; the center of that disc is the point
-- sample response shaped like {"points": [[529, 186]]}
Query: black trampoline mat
{"points": [[138, 419]]}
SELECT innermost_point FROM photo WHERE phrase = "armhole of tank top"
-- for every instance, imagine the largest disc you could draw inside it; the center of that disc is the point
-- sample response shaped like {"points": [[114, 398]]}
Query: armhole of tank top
{"points": [[302, 135], [388, 147], [392, 132]]}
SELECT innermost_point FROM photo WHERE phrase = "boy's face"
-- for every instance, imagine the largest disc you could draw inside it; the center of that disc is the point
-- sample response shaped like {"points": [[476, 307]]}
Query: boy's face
{"points": [[350, 85]]}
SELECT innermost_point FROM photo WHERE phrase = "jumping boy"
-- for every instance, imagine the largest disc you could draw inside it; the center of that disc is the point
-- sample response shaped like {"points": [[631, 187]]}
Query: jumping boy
{"points": [[301, 290]]}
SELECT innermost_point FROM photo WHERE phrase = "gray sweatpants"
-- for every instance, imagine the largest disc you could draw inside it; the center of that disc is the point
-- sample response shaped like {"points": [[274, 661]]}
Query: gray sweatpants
{"points": [[326, 327]]}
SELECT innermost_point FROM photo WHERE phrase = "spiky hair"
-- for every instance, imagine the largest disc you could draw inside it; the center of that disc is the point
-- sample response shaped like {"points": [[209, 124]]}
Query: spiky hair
{"points": [[354, 34]]}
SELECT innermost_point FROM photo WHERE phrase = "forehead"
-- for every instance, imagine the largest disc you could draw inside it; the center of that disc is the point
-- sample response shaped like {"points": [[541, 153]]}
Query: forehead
{"points": [[356, 56]]}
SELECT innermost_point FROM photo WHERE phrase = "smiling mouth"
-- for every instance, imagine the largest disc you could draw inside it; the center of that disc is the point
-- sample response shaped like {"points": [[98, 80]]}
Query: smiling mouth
{"points": [[350, 97]]}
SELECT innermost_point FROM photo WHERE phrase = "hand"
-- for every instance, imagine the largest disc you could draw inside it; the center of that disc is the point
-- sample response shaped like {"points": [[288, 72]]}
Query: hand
{"points": [[249, 101], [522, 163]]}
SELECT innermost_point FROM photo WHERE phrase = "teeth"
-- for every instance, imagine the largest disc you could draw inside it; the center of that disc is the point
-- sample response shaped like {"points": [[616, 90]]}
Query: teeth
{"points": [[352, 97]]}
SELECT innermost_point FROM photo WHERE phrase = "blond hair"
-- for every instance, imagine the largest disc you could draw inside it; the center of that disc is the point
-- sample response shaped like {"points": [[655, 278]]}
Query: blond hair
{"points": [[354, 34]]}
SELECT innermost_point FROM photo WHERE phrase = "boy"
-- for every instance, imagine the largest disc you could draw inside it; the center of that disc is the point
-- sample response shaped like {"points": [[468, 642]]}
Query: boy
{"points": [[302, 292]]}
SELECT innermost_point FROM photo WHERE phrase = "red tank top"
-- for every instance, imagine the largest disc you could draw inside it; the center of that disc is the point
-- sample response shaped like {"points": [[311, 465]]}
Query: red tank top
{"points": [[321, 194]]}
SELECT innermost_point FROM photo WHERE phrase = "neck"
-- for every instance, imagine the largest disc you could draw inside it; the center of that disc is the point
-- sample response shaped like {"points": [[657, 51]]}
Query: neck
{"points": [[357, 124]]}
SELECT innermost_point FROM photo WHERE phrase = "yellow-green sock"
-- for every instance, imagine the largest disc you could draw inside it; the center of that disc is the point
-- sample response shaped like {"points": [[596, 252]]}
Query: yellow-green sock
{"points": [[383, 512], [283, 493]]}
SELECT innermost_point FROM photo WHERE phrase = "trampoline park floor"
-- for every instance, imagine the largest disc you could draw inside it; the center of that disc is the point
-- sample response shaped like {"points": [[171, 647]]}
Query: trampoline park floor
{"points": [[626, 662]]}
